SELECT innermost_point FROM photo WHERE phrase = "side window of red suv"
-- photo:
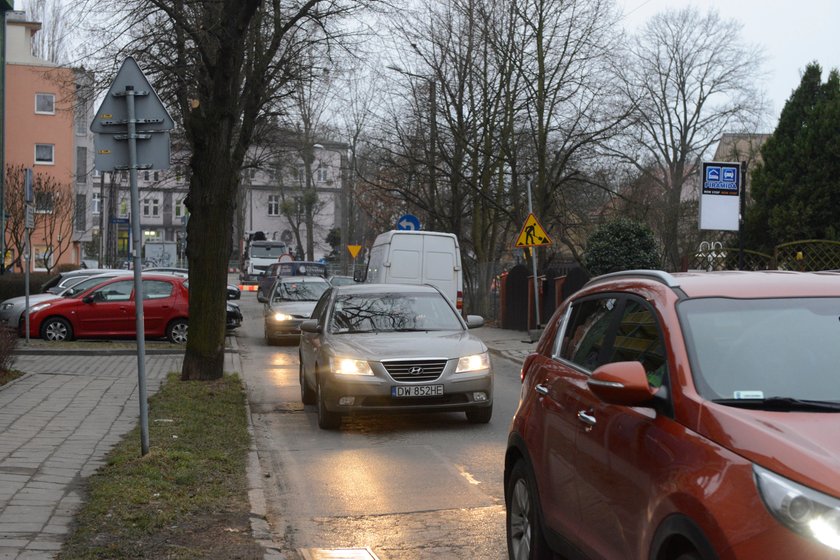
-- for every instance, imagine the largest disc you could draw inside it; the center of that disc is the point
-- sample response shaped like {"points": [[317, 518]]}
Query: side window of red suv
{"points": [[585, 337], [638, 338]]}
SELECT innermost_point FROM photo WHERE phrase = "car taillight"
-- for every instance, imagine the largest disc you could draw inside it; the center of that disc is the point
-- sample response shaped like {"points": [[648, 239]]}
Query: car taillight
{"points": [[459, 300]]}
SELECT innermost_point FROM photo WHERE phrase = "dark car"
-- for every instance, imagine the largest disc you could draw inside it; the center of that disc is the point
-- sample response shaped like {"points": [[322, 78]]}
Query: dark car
{"points": [[290, 301], [373, 348], [287, 268], [681, 417]]}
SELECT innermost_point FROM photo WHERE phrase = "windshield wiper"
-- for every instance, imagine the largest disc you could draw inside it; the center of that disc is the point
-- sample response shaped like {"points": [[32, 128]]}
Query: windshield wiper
{"points": [[783, 404]]}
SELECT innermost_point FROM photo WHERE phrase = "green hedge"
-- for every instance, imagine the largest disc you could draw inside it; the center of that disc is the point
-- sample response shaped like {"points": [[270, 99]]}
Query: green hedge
{"points": [[12, 284]]}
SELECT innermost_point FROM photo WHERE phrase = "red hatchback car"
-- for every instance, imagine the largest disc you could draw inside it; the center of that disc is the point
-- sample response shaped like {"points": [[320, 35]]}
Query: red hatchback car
{"points": [[681, 417], [107, 310]]}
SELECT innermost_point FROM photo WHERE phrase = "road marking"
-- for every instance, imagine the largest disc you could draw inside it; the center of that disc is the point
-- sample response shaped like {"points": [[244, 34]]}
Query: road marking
{"points": [[467, 475]]}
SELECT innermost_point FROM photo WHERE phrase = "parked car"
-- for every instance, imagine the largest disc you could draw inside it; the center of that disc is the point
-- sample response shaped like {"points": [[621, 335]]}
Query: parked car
{"points": [[233, 316], [392, 347], [290, 301], [338, 280], [287, 268], [681, 417], [233, 292], [108, 310], [63, 280], [12, 309]]}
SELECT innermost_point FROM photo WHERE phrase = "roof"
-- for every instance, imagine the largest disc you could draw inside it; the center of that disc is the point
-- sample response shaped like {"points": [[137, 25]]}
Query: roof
{"points": [[386, 288], [735, 283]]}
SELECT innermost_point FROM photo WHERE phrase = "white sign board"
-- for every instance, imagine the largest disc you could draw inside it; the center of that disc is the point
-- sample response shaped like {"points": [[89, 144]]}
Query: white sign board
{"points": [[720, 196]]}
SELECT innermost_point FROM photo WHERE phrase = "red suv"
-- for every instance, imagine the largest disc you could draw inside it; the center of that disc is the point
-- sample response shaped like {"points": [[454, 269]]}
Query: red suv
{"points": [[681, 417]]}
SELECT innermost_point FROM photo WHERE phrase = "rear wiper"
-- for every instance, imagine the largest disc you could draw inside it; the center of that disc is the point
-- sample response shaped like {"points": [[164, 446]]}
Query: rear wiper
{"points": [[783, 404]]}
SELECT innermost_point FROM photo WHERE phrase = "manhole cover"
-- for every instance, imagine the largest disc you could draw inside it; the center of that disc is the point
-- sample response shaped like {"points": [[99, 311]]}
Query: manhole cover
{"points": [[338, 554]]}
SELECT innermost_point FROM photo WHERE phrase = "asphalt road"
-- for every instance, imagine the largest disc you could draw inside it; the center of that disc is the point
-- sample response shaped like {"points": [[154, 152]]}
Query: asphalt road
{"points": [[408, 487]]}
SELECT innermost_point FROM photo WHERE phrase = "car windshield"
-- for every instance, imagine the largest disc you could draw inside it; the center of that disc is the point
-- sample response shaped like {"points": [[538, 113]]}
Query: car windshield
{"points": [[299, 291], [761, 349], [268, 250], [389, 312]]}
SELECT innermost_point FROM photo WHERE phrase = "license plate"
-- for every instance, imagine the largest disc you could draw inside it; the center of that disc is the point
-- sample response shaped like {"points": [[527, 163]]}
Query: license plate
{"points": [[417, 391]]}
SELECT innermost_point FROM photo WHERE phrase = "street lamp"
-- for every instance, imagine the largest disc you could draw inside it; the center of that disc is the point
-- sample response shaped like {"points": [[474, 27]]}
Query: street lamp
{"points": [[431, 158]]}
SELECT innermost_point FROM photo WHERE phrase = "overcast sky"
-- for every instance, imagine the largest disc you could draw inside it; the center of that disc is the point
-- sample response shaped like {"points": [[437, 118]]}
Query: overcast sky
{"points": [[792, 33]]}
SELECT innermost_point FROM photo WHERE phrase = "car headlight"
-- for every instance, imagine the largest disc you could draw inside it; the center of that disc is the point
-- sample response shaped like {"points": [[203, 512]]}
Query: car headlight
{"points": [[476, 362], [38, 307], [282, 317], [806, 511], [350, 366]]}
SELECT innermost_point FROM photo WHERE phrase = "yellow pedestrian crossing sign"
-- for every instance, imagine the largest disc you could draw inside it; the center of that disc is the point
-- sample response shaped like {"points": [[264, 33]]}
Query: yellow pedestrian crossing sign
{"points": [[532, 234]]}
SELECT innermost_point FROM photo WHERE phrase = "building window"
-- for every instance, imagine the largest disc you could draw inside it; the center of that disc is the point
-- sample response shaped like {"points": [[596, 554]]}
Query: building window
{"points": [[81, 214], [44, 154], [151, 235], [81, 164], [180, 208], [321, 175], [157, 175], [80, 119], [273, 205], [95, 203], [179, 173], [145, 175], [44, 103], [43, 203], [123, 208], [151, 207]]}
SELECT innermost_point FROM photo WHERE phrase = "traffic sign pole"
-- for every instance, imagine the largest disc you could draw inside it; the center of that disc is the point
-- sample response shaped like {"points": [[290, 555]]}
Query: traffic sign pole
{"points": [[534, 265]]}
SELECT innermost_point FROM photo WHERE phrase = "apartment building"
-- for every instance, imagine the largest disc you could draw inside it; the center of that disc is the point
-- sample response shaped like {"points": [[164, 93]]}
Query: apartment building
{"points": [[46, 131]]}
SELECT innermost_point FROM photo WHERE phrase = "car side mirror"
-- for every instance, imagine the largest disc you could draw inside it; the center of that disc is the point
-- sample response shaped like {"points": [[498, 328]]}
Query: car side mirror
{"points": [[359, 276], [475, 321], [311, 326], [261, 298], [91, 298], [622, 383]]}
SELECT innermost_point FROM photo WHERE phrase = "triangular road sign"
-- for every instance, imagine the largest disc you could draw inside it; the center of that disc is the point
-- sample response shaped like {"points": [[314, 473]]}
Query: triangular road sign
{"points": [[148, 108], [354, 250], [532, 234]]}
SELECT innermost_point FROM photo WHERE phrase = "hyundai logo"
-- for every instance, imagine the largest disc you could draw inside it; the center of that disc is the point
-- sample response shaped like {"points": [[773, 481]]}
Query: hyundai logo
{"points": [[416, 370]]}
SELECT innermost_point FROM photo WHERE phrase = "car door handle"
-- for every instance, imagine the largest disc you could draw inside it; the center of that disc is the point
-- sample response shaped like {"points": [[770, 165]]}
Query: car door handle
{"points": [[586, 418], [541, 389]]}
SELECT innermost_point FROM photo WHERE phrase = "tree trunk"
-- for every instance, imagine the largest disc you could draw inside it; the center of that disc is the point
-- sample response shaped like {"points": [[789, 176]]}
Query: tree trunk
{"points": [[211, 203]]}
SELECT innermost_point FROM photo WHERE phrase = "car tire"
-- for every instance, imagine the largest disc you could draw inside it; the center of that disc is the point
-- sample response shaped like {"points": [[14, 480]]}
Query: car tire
{"points": [[688, 555], [57, 329], [479, 415], [176, 331], [525, 540], [307, 394], [327, 420]]}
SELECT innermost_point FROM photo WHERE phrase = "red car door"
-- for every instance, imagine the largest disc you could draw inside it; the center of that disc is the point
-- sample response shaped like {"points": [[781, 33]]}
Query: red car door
{"points": [[159, 303], [107, 311]]}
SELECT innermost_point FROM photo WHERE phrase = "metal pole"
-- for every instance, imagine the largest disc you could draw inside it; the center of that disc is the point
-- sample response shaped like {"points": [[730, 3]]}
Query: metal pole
{"points": [[138, 270], [27, 248], [4, 6], [534, 264], [741, 214]]}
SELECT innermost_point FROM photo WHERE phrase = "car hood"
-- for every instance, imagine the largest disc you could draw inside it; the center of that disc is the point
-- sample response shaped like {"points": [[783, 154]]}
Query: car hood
{"points": [[33, 299], [297, 308], [407, 345], [802, 446]]}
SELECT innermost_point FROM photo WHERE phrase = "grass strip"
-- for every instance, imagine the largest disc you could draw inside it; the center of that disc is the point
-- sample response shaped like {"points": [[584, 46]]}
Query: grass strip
{"points": [[187, 498]]}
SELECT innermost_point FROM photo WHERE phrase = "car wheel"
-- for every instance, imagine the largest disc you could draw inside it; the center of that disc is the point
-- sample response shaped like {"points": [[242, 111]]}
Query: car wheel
{"points": [[525, 540], [176, 332], [56, 329], [326, 420], [690, 555], [480, 415], [307, 395]]}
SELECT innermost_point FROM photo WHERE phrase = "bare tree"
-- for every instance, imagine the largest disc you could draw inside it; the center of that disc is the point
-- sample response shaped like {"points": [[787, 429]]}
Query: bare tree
{"points": [[224, 68], [51, 42], [688, 78]]}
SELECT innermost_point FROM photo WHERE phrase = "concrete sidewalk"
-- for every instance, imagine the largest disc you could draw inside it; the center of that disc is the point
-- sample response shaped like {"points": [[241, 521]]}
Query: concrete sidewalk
{"points": [[59, 421]]}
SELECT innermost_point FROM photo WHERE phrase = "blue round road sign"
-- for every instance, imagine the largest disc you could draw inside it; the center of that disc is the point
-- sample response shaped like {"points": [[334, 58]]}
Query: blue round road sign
{"points": [[408, 222]]}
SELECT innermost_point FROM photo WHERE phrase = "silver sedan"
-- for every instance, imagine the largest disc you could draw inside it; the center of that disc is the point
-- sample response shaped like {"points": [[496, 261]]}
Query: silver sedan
{"points": [[392, 347]]}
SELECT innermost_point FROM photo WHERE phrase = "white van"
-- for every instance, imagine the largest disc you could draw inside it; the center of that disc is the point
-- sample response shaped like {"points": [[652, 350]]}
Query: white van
{"points": [[418, 257]]}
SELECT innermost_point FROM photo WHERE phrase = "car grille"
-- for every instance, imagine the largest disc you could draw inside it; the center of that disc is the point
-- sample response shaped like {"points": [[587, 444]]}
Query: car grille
{"points": [[414, 370]]}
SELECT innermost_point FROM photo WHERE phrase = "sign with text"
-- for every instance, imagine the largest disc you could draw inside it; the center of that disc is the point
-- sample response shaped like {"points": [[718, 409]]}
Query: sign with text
{"points": [[720, 200]]}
